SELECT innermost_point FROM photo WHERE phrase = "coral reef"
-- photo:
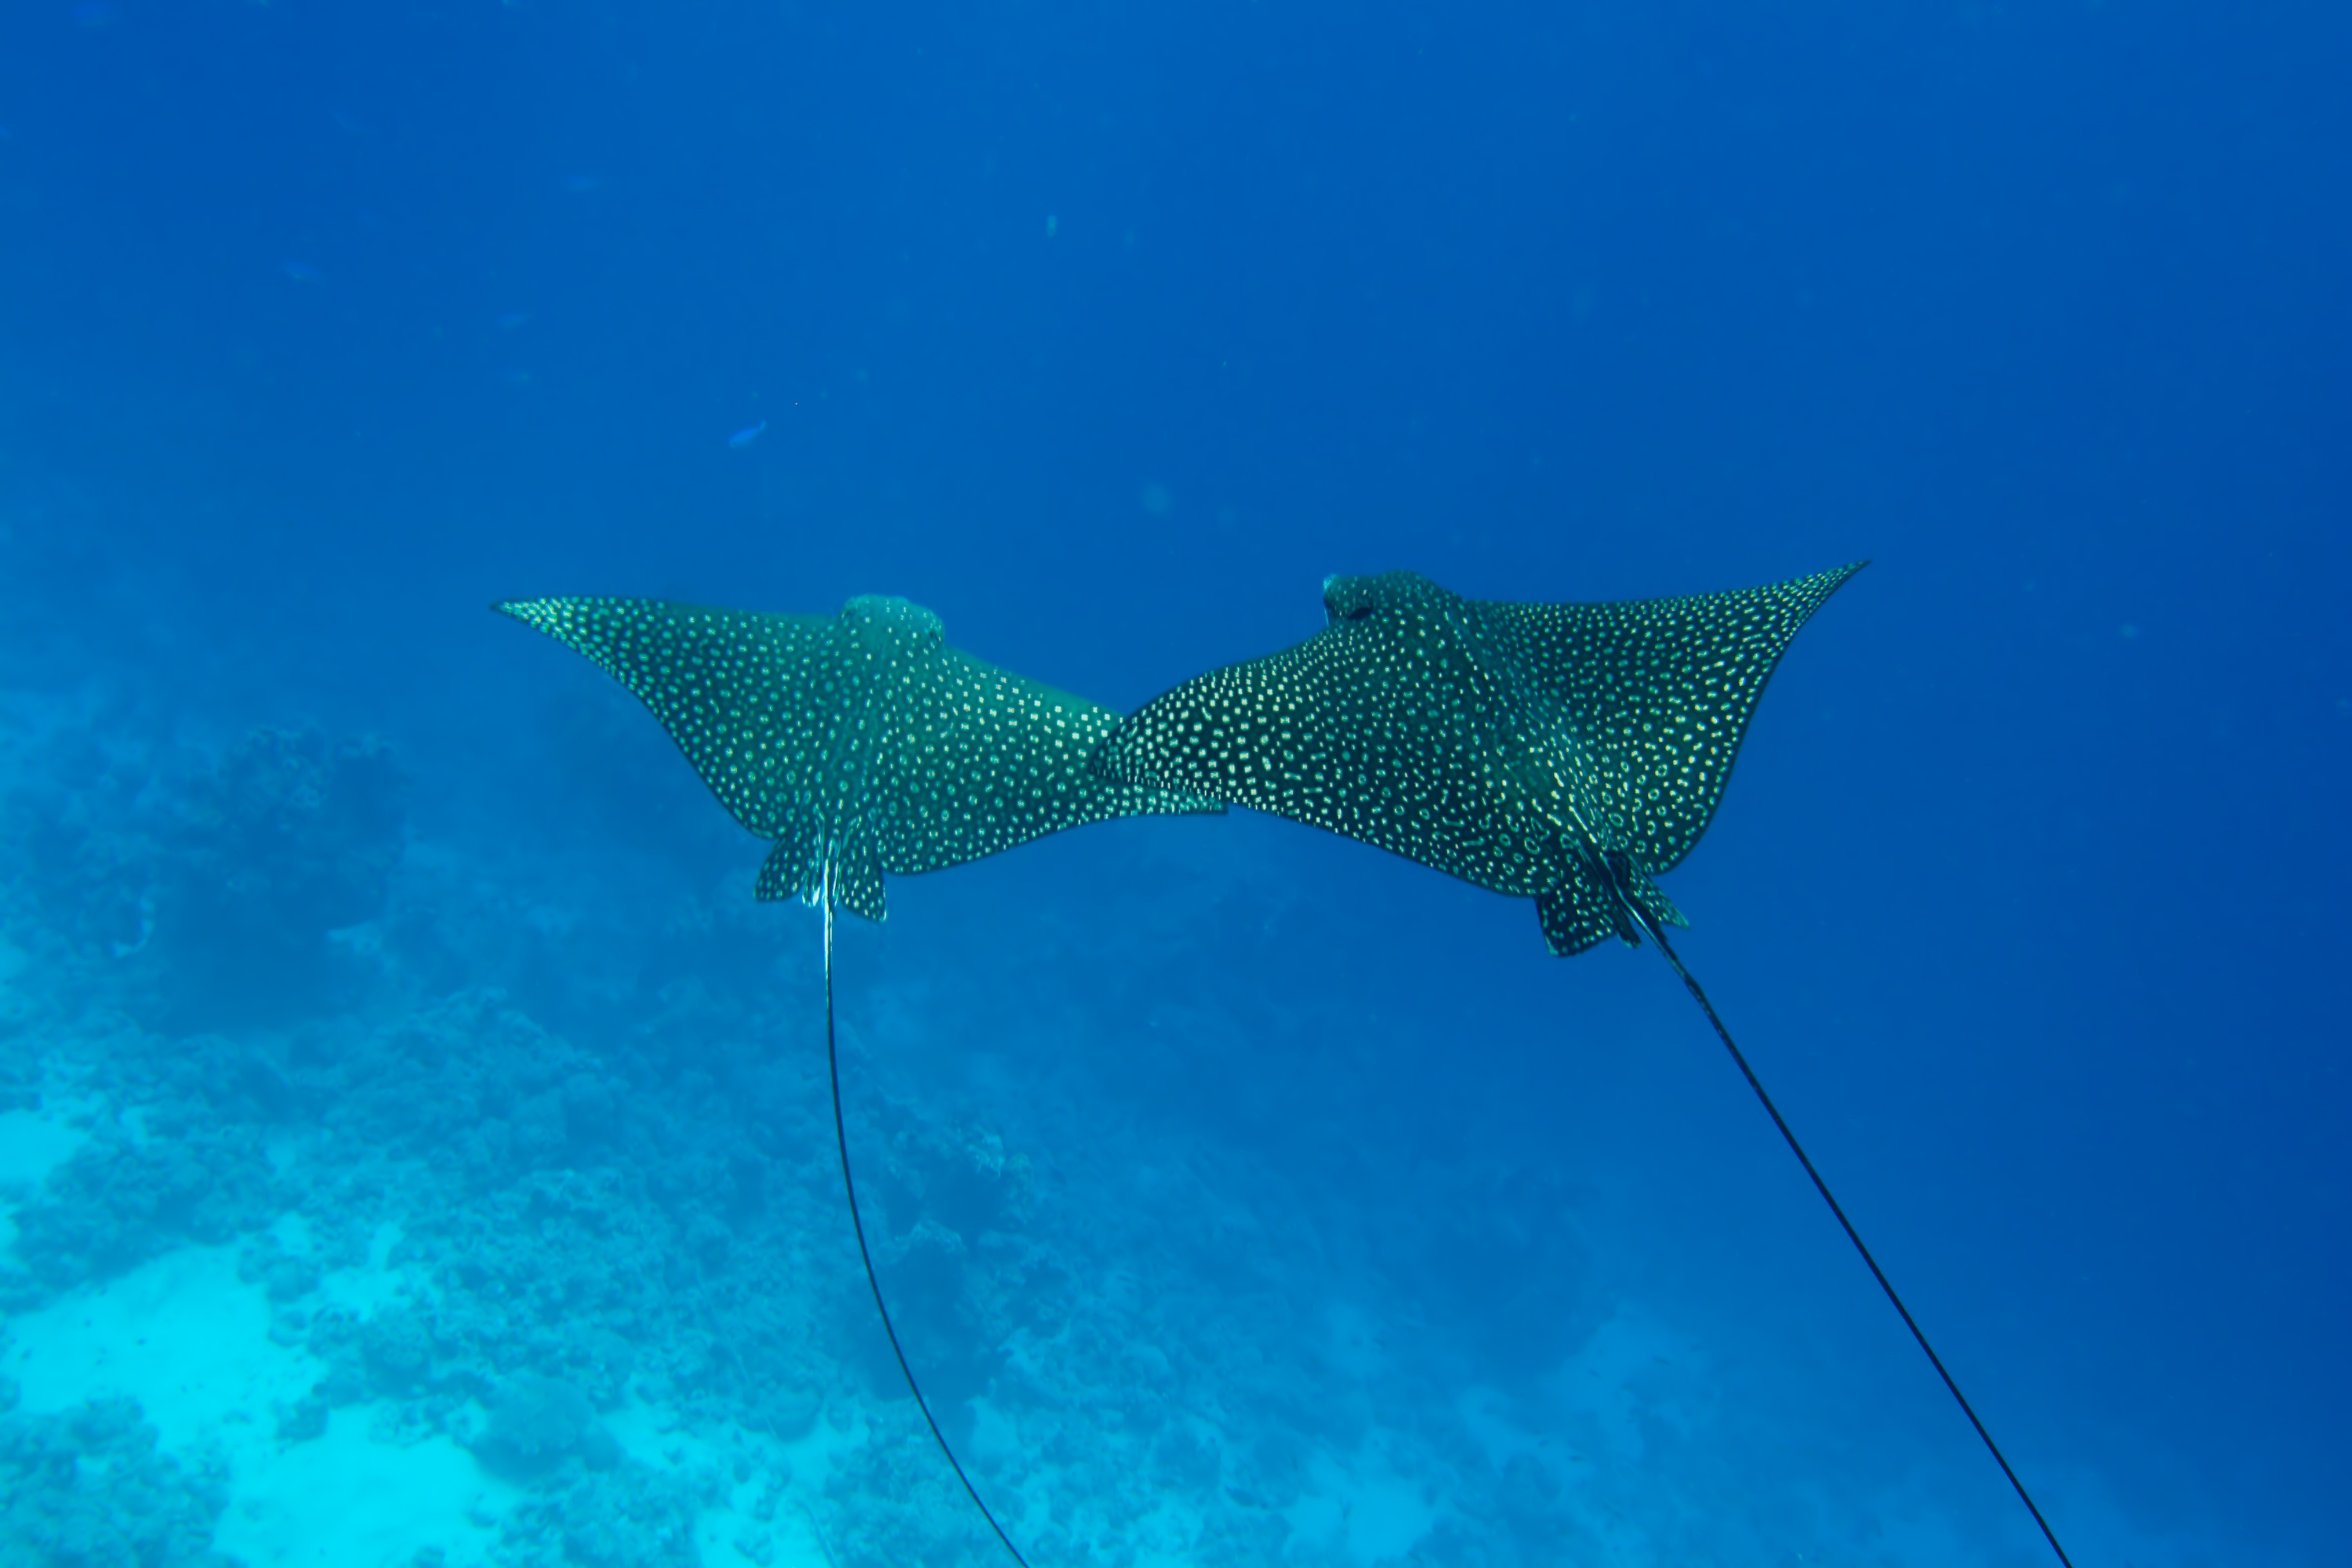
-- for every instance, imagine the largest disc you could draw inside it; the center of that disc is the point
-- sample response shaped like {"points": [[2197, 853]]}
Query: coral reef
{"points": [[87, 1489], [539, 1425], [203, 895]]}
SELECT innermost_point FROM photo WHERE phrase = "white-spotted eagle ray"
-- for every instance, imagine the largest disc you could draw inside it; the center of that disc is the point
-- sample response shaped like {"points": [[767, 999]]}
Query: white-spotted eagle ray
{"points": [[857, 744], [1564, 753]]}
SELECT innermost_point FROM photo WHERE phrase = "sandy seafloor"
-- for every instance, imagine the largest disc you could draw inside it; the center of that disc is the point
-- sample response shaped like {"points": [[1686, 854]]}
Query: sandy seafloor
{"points": [[327, 1244]]}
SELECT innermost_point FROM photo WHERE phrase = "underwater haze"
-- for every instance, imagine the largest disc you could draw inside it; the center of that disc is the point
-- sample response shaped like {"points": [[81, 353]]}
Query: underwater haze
{"points": [[416, 1144]]}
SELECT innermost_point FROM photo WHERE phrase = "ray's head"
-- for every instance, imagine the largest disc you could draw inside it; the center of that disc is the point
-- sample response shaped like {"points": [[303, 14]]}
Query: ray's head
{"points": [[1361, 598], [887, 614]]}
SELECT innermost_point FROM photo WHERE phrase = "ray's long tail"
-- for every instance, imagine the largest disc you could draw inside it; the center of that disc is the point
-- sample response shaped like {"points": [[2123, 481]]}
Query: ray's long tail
{"points": [[1698, 994], [841, 1138]]}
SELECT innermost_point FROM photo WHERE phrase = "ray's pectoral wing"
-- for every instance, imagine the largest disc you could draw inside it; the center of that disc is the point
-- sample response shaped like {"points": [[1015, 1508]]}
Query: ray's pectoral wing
{"points": [[769, 710], [1339, 733], [979, 760], [1660, 693], [749, 699]]}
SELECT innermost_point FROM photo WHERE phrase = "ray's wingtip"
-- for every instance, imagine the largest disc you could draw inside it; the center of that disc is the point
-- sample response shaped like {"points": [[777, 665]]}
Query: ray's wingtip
{"points": [[1831, 579], [533, 612]]}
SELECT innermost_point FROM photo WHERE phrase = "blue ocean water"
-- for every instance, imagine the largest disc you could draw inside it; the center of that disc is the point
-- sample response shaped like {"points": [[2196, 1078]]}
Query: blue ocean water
{"points": [[416, 1144]]}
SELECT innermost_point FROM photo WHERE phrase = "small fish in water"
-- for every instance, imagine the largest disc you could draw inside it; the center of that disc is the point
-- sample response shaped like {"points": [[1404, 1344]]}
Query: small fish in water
{"points": [[745, 436], [301, 272]]}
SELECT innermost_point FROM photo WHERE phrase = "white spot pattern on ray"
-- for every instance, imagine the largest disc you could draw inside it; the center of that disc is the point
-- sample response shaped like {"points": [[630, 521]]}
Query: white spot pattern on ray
{"points": [[1520, 747], [858, 743]]}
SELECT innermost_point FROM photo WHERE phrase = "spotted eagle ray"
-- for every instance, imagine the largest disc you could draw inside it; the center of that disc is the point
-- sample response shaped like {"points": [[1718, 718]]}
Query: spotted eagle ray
{"points": [[1569, 754], [857, 744]]}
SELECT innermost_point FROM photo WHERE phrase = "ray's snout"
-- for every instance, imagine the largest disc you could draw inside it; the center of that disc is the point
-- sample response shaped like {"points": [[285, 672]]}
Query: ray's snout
{"points": [[1350, 598], [1355, 598]]}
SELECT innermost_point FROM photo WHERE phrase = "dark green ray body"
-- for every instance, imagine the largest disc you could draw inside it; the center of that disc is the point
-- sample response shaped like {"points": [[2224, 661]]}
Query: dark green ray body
{"points": [[859, 744], [1552, 752]]}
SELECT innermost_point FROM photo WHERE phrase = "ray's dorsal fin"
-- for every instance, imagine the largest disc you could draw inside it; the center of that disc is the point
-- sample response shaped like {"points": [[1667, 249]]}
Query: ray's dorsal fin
{"points": [[857, 743]]}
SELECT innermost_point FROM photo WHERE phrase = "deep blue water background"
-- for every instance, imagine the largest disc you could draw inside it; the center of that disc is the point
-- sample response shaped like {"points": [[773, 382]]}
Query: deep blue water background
{"points": [[1106, 331]]}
